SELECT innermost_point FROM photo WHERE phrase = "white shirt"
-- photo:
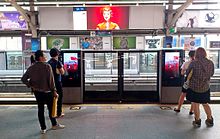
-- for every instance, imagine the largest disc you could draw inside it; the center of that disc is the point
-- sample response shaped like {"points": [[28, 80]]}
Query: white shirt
{"points": [[185, 66]]}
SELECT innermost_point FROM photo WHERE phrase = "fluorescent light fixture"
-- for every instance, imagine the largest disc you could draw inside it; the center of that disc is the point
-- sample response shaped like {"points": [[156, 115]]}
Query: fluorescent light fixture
{"points": [[28, 34]]}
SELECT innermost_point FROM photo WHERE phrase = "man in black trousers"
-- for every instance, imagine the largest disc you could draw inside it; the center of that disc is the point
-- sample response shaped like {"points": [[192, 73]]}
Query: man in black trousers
{"points": [[58, 70], [39, 77]]}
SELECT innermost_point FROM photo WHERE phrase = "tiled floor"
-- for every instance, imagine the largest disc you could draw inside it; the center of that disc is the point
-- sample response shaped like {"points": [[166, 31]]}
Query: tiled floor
{"points": [[140, 121]]}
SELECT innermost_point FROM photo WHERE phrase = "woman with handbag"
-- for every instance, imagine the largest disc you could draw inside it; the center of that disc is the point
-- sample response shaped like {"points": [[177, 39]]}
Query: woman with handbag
{"points": [[199, 86]]}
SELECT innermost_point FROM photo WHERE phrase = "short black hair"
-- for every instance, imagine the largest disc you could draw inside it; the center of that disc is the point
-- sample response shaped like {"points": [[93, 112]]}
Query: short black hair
{"points": [[32, 59], [38, 54], [54, 52], [192, 53]]}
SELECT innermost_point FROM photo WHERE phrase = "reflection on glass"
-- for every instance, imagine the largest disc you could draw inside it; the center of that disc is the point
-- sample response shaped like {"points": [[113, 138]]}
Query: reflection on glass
{"points": [[214, 83], [14, 60], [214, 57], [126, 61], [101, 71], [99, 61], [148, 62], [2, 61], [140, 71]]}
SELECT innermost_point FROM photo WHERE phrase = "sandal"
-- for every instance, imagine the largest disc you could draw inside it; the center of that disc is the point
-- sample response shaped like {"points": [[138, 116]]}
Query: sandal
{"points": [[176, 110]]}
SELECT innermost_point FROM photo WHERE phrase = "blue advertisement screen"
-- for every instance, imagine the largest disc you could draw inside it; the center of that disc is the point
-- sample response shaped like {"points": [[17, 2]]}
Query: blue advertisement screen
{"points": [[35, 44]]}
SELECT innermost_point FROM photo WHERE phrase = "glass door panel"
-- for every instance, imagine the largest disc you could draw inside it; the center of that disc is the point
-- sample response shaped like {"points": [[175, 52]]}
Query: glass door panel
{"points": [[101, 71], [14, 60], [140, 71], [215, 80]]}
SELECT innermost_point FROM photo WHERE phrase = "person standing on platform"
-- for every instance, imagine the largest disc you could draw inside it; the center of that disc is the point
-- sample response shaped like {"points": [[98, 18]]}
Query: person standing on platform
{"points": [[199, 86], [184, 90], [58, 70], [39, 76], [32, 59]]}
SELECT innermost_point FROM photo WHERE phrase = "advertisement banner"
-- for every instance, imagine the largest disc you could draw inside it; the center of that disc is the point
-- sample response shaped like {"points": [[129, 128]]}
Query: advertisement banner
{"points": [[202, 18], [153, 43], [190, 43], [214, 44], [107, 18], [26, 42], [59, 42], [12, 21], [124, 42], [35, 44]]}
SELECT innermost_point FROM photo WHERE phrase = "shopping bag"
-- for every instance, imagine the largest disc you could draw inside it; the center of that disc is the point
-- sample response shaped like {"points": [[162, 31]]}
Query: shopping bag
{"points": [[54, 107], [186, 83]]}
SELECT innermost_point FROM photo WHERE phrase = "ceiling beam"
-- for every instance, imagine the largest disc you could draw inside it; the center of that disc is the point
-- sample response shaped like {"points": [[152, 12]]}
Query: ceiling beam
{"points": [[173, 16], [25, 13]]}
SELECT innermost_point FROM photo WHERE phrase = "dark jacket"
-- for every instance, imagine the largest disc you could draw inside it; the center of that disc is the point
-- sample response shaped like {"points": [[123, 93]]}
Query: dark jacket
{"points": [[39, 76]]}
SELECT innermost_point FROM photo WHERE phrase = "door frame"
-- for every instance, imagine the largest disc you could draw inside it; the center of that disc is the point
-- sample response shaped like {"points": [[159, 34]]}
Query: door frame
{"points": [[119, 95]]}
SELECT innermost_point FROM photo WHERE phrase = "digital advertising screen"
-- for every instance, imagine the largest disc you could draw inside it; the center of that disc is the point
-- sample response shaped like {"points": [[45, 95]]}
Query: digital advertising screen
{"points": [[35, 44], [12, 21], [171, 68], [72, 69], [107, 18], [172, 64]]}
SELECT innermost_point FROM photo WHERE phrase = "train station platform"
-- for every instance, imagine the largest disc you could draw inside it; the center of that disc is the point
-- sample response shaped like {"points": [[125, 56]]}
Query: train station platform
{"points": [[109, 121]]}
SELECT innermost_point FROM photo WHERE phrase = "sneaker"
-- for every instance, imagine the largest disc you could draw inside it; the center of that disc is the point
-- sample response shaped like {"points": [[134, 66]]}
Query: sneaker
{"points": [[209, 122], [197, 123], [191, 113], [43, 131], [58, 126], [60, 116]]}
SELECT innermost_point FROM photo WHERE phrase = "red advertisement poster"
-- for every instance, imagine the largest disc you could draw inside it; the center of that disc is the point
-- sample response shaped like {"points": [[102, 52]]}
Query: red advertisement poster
{"points": [[107, 18]]}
